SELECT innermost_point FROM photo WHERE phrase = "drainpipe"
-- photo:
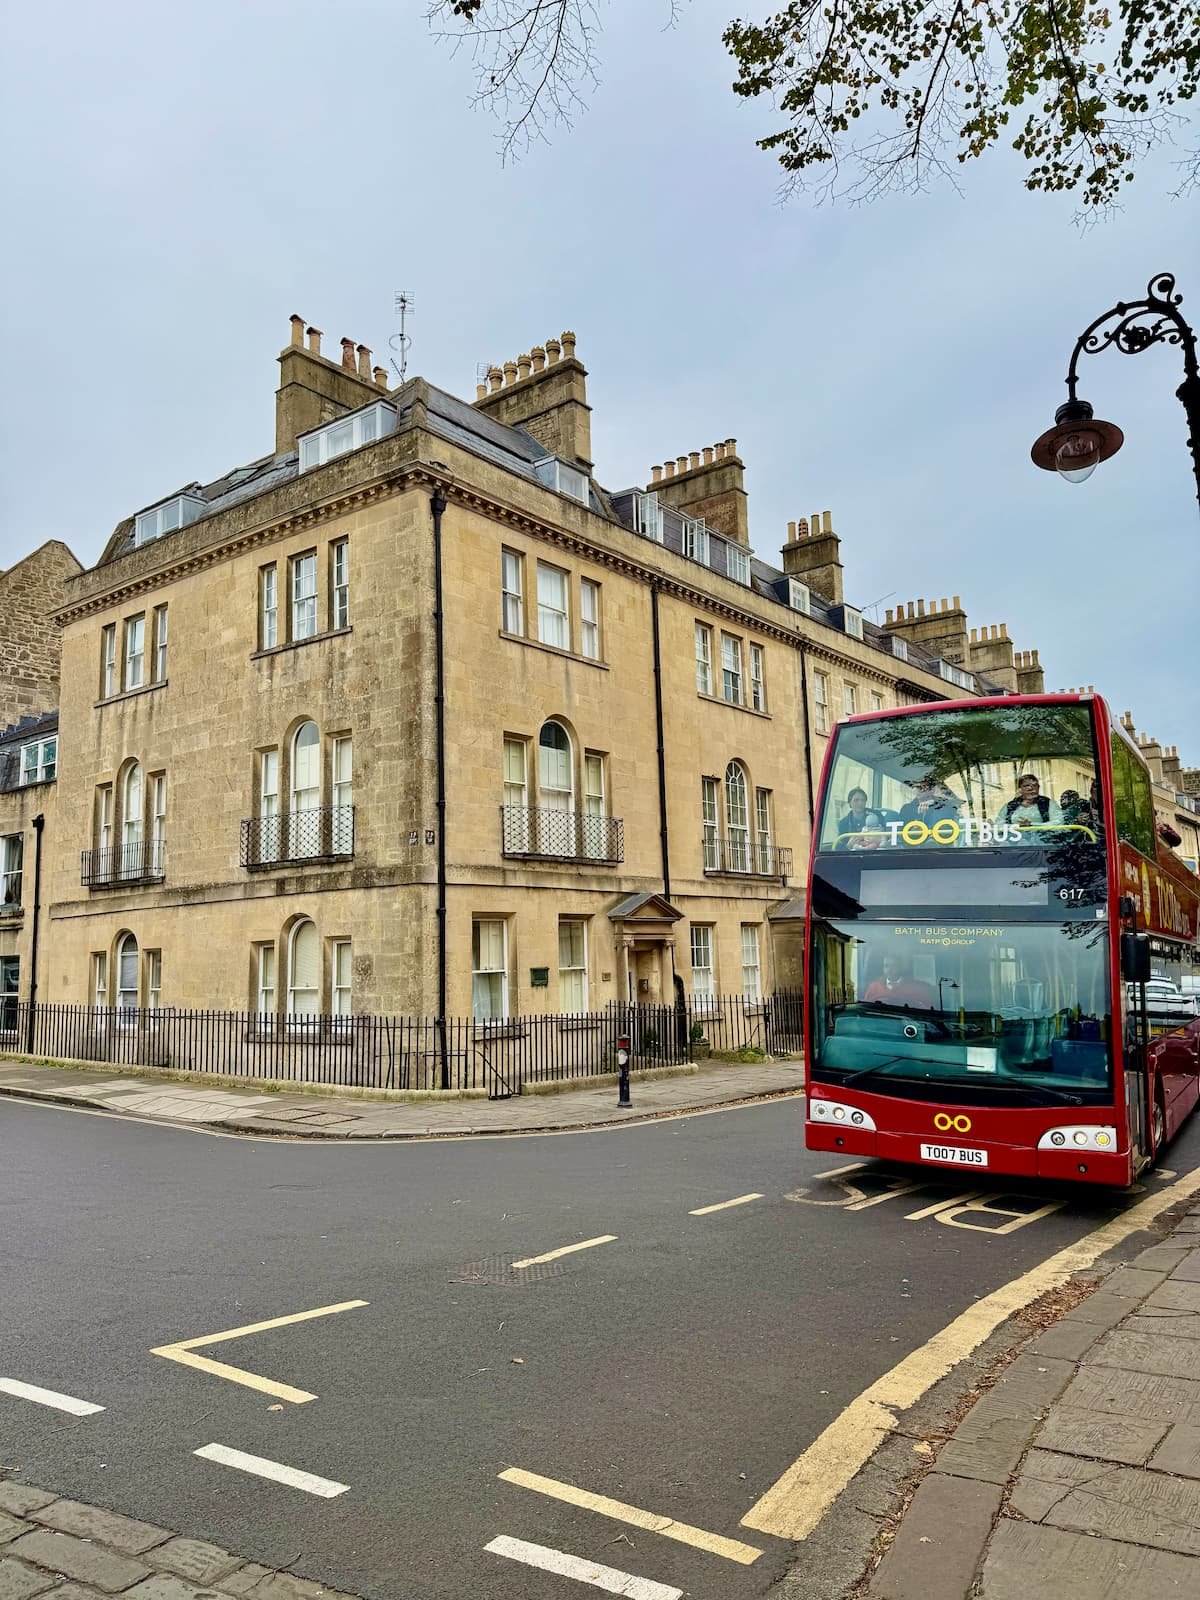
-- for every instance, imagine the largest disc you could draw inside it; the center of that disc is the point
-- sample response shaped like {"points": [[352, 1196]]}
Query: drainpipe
{"points": [[437, 504], [39, 822], [807, 736], [662, 760]]}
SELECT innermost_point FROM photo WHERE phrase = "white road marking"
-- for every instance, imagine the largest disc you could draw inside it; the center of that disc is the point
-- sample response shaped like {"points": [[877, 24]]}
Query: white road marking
{"points": [[262, 1468], [558, 1561], [48, 1397], [742, 1200], [567, 1250], [836, 1172], [795, 1504]]}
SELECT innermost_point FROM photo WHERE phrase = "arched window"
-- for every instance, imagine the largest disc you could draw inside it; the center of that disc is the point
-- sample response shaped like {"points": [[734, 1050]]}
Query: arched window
{"points": [[304, 971], [131, 826], [737, 817], [556, 790], [127, 973], [306, 791]]}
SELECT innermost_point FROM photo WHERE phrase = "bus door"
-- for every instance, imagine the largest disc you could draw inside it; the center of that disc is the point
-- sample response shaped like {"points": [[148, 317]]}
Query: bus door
{"points": [[1135, 969]]}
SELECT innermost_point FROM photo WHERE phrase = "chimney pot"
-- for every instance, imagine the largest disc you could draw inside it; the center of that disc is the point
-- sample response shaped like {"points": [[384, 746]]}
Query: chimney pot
{"points": [[731, 447], [480, 390], [827, 522], [348, 354], [538, 357], [719, 451], [381, 378], [495, 379], [568, 346], [510, 373], [524, 366], [669, 469], [802, 528], [364, 363], [694, 460], [791, 532], [681, 463], [708, 454], [553, 350], [297, 329], [656, 474], [920, 608], [314, 341]]}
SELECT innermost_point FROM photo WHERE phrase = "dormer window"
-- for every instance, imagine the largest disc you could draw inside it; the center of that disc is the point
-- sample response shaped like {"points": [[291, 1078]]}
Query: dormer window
{"points": [[737, 564], [852, 622], [647, 517], [568, 480], [955, 675], [174, 513], [695, 539], [899, 648], [799, 597], [338, 438]]}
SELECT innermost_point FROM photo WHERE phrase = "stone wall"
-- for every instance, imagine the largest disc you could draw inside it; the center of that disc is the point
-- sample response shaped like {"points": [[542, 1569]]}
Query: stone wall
{"points": [[30, 593]]}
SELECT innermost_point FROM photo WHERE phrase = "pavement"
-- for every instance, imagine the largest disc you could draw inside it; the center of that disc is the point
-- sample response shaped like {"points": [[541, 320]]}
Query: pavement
{"points": [[1076, 1476], [333, 1116]]}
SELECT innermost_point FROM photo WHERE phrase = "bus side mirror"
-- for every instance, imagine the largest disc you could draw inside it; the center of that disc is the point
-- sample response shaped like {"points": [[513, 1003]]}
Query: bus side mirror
{"points": [[1135, 957]]}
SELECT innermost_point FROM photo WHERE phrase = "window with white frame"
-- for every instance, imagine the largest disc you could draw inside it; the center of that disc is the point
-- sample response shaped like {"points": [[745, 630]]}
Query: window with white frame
{"points": [[341, 584], [556, 789], [12, 856], [127, 973], [589, 619], [304, 596], [695, 539], [647, 517], [762, 829], [703, 658], [104, 818], [131, 823], [108, 661], [518, 834], [710, 822], [568, 480], [39, 761], [737, 817], [153, 961], [306, 790], [268, 595], [758, 687], [10, 989], [158, 821], [595, 807], [751, 968], [876, 700], [554, 621], [135, 652], [160, 644], [265, 980], [737, 564], [899, 648], [489, 968], [100, 980], [342, 795], [850, 699], [174, 513], [304, 971], [702, 963], [799, 596], [268, 808], [512, 583], [821, 701], [572, 966], [340, 977], [346, 433], [852, 622], [731, 670]]}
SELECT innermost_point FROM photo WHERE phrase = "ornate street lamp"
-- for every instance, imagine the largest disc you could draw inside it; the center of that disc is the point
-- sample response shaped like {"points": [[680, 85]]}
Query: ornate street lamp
{"points": [[1080, 441]]}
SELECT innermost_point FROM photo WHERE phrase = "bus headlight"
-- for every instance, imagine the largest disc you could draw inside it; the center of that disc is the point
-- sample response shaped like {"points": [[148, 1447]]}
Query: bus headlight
{"points": [[835, 1111], [1084, 1135]]}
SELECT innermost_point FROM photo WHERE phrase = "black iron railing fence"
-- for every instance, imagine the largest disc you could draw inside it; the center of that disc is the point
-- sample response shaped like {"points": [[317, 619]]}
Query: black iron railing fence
{"points": [[499, 1055], [567, 835], [744, 854], [143, 862], [321, 833]]}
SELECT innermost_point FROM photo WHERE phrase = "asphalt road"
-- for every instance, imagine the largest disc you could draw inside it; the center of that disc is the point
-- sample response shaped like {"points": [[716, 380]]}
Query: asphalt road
{"points": [[680, 1367]]}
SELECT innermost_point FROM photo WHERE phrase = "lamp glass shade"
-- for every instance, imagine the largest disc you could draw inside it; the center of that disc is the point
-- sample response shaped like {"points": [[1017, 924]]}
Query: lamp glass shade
{"points": [[1078, 454]]}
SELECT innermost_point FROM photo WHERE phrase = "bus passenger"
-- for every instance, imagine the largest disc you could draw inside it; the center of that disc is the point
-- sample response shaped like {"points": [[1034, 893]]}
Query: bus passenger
{"points": [[931, 800], [855, 819], [872, 835], [1029, 808], [898, 987]]}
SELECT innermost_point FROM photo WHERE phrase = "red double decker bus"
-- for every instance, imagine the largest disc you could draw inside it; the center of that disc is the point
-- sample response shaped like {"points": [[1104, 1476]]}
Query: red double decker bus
{"points": [[988, 898]]}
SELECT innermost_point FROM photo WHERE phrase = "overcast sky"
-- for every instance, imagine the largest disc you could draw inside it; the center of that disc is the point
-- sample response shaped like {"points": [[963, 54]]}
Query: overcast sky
{"points": [[178, 180]]}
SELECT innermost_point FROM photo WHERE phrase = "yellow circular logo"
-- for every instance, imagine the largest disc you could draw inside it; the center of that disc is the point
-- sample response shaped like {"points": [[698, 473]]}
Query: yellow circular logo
{"points": [[946, 831], [943, 1122]]}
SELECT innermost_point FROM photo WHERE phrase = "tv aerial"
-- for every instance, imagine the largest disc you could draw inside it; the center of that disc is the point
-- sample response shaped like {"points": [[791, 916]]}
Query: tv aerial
{"points": [[401, 340]]}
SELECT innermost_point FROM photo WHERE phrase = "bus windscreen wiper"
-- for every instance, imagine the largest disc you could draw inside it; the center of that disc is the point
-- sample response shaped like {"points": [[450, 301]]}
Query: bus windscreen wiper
{"points": [[1052, 1096]]}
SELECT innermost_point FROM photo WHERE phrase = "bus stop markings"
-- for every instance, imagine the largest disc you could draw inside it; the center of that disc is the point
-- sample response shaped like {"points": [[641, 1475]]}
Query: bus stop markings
{"points": [[949, 1209], [564, 1565], [724, 1205], [183, 1352], [794, 1505]]}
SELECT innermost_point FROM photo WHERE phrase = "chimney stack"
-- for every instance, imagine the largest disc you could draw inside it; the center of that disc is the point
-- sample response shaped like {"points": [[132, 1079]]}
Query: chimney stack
{"points": [[312, 389], [813, 553], [707, 483], [544, 392]]}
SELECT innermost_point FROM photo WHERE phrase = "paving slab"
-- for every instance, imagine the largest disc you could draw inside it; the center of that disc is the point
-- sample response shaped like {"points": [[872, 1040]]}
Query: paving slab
{"points": [[1174, 1295], [245, 1578], [1161, 1257], [1146, 1353], [1099, 1436], [1179, 1452], [11, 1527], [1188, 1270], [20, 1498], [125, 1534], [1177, 1324], [19, 1582], [75, 1558], [1027, 1561], [165, 1586], [1133, 1506], [1135, 1394], [1066, 1340], [936, 1549], [1046, 1476], [193, 1559]]}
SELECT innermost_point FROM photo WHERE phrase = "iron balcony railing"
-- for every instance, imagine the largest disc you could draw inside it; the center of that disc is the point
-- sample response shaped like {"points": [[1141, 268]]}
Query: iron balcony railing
{"points": [[746, 857], [322, 833], [561, 835], [123, 863]]}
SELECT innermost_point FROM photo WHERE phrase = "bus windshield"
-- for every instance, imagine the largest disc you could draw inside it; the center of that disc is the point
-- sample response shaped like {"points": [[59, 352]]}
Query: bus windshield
{"points": [[997, 775], [983, 1013]]}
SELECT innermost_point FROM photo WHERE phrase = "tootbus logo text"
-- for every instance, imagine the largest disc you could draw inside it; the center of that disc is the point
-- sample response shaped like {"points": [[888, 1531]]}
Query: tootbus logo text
{"points": [[948, 830]]}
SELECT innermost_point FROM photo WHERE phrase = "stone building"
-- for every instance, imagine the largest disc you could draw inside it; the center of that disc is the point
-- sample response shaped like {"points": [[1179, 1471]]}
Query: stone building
{"points": [[412, 714], [30, 595], [28, 765]]}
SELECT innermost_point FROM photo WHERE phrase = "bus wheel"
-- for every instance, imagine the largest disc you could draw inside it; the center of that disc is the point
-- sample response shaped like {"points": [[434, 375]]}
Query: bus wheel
{"points": [[1160, 1124]]}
